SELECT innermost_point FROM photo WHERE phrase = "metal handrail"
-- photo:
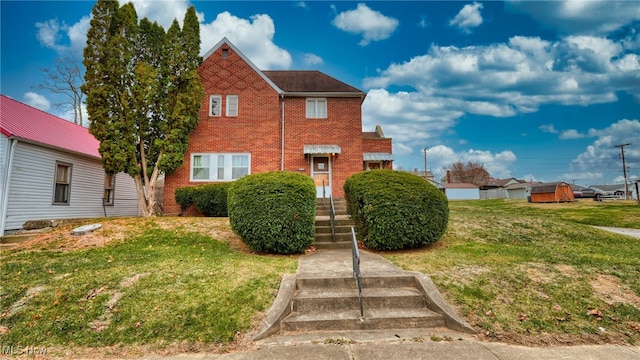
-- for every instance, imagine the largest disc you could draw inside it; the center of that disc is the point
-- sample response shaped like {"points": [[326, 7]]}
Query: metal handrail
{"points": [[332, 218], [356, 268], [324, 193]]}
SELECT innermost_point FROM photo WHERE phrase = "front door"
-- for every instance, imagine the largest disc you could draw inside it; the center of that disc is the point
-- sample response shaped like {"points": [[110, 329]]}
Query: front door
{"points": [[321, 174]]}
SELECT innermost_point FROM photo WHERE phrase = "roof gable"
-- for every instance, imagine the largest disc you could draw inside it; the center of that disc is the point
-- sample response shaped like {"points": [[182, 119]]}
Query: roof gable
{"points": [[26, 123], [226, 42]]}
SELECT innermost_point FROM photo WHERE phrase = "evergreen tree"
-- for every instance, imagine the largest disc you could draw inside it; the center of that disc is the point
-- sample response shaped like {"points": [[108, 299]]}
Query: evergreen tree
{"points": [[143, 94]]}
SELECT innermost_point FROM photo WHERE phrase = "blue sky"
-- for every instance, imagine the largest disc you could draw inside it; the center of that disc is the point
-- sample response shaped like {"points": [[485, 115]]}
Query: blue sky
{"points": [[533, 90]]}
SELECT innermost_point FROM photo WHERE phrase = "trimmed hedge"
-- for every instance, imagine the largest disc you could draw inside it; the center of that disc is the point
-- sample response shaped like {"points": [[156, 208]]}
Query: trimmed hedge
{"points": [[274, 212], [184, 197], [209, 199], [396, 210]]}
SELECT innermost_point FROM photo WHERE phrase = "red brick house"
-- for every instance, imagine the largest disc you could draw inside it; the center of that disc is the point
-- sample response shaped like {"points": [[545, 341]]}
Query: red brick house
{"points": [[254, 121]]}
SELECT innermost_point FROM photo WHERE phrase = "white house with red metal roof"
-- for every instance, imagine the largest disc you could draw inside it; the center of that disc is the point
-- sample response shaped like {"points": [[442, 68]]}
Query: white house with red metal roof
{"points": [[50, 168]]}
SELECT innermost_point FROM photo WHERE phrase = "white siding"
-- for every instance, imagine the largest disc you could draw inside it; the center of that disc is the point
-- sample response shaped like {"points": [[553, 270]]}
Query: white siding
{"points": [[32, 183]]}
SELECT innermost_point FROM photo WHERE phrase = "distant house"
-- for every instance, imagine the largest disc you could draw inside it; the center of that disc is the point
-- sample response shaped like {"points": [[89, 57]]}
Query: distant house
{"points": [[461, 191], [50, 168], [551, 192], [254, 121]]}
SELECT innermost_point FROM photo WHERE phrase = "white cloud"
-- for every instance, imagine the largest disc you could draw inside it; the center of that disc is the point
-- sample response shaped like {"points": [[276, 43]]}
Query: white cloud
{"points": [[469, 17], [603, 157], [497, 164], [373, 25], [499, 80], [593, 17], [571, 134], [311, 59], [253, 37], [548, 129], [36, 100]]}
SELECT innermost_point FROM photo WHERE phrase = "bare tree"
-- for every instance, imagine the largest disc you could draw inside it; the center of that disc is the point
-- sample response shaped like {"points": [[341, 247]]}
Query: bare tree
{"points": [[66, 79], [472, 172]]}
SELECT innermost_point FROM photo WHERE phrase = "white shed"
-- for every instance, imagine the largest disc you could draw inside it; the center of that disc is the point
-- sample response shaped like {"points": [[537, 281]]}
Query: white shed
{"points": [[462, 191], [50, 168]]}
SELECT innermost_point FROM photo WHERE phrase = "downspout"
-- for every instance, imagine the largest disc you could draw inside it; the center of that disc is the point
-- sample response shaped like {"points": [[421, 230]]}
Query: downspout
{"points": [[282, 140], [5, 186]]}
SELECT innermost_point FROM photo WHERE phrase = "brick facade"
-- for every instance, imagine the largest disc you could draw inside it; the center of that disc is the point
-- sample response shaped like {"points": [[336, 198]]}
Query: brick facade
{"points": [[257, 128]]}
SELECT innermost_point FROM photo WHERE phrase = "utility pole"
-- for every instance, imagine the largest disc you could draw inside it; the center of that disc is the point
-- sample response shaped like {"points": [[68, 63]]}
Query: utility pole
{"points": [[425, 162], [624, 170]]}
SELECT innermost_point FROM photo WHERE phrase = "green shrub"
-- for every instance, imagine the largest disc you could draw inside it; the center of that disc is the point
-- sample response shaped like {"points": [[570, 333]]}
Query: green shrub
{"points": [[395, 210], [184, 197], [211, 199], [274, 212]]}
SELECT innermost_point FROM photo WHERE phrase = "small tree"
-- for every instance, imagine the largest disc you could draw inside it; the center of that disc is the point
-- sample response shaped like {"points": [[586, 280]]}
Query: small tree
{"points": [[65, 79], [472, 172], [143, 93]]}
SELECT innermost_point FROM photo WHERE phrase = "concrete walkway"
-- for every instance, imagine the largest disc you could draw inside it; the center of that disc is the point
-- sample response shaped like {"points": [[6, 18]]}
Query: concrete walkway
{"points": [[432, 343]]}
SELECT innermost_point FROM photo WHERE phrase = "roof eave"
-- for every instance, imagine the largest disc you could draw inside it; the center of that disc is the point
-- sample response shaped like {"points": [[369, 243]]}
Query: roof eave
{"points": [[53, 147], [333, 94]]}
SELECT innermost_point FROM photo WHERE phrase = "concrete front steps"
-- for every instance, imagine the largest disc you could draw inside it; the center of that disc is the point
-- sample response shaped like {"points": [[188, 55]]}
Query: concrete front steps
{"points": [[389, 302], [323, 238], [322, 296]]}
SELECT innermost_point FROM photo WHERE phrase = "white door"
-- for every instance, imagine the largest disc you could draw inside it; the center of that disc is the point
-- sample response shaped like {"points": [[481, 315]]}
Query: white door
{"points": [[321, 174]]}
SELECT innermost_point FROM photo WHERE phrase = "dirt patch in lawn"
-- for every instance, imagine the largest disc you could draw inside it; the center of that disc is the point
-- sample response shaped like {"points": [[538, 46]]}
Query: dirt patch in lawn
{"points": [[610, 290], [117, 230]]}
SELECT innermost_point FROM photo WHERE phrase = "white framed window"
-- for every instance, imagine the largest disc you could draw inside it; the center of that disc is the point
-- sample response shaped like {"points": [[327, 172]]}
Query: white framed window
{"points": [[316, 108], [219, 167], [109, 189], [215, 105], [62, 184], [232, 105]]}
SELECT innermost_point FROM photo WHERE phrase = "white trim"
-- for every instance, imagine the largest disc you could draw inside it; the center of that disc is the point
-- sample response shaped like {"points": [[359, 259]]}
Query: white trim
{"points": [[317, 114], [4, 198], [228, 109], [219, 105], [328, 187], [213, 165]]}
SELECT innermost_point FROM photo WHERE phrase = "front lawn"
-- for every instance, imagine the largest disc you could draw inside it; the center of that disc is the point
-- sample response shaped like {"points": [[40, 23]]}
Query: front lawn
{"points": [[538, 273], [167, 282]]}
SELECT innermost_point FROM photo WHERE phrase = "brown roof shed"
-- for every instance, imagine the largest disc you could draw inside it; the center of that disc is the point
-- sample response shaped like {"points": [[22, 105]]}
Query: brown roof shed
{"points": [[551, 192]]}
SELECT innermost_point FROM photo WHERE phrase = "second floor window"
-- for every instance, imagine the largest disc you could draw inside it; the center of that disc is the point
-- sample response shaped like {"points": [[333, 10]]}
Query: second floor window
{"points": [[232, 105], [215, 105], [316, 108]]}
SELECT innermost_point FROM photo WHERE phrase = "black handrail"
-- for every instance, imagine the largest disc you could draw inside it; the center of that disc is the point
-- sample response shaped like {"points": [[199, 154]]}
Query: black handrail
{"points": [[356, 268]]}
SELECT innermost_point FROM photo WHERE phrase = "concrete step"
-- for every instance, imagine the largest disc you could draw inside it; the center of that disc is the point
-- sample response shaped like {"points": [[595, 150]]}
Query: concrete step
{"points": [[347, 299], [347, 282], [340, 229], [343, 237], [330, 245], [373, 319], [340, 220]]}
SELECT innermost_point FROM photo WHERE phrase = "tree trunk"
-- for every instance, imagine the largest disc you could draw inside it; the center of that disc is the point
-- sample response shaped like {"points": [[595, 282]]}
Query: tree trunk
{"points": [[145, 202]]}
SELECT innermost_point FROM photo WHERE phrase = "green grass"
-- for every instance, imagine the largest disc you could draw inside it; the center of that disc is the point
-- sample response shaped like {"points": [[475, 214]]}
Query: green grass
{"points": [[517, 270], [162, 286]]}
